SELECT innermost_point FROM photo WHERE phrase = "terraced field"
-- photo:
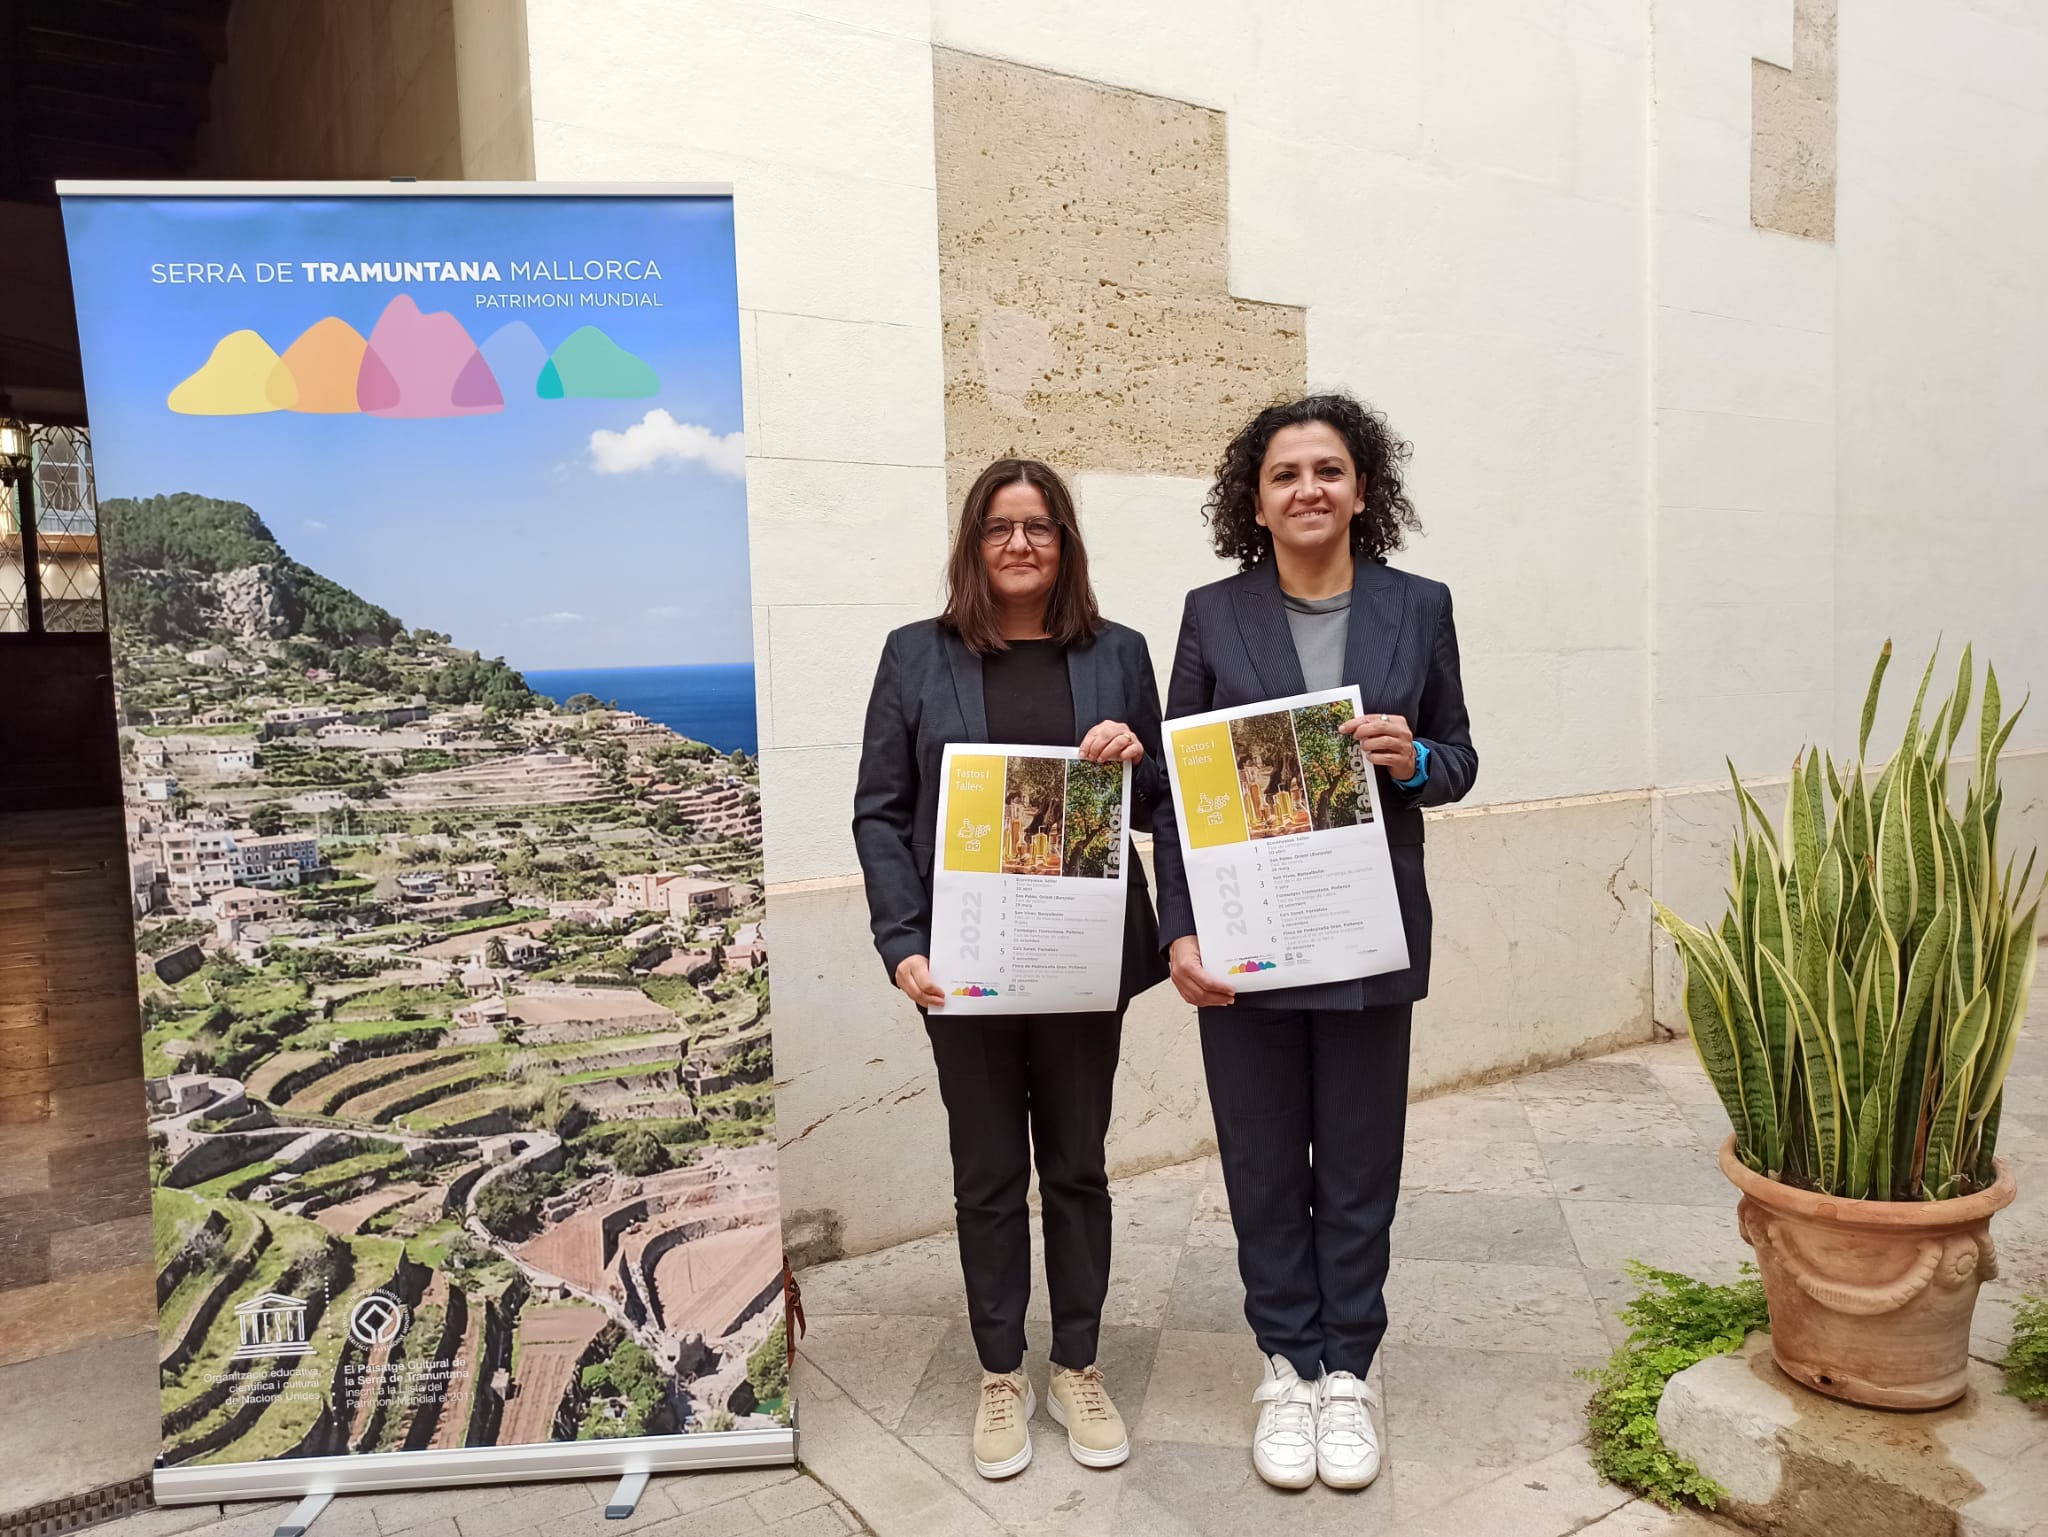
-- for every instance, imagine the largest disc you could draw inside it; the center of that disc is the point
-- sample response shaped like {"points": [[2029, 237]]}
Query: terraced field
{"points": [[322, 1095], [401, 1094], [456, 1111], [286, 1064]]}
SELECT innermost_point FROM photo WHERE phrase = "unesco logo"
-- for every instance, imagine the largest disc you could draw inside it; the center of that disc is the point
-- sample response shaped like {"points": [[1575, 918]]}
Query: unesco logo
{"points": [[377, 1320]]}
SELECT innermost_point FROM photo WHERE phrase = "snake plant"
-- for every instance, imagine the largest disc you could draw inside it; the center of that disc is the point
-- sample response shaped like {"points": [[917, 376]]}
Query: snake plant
{"points": [[1858, 1005]]}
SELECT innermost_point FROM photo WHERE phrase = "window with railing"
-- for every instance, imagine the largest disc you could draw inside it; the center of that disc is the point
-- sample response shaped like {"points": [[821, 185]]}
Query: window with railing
{"points": [[50, 568]]}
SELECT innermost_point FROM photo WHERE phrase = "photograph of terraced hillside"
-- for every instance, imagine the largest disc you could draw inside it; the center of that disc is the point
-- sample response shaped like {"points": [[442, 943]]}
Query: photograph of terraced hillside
{"points": [[454, 980]]}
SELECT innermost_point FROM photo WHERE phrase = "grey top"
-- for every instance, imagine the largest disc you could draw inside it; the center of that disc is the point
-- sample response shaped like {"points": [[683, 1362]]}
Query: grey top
{"points": [[1319, 627]]}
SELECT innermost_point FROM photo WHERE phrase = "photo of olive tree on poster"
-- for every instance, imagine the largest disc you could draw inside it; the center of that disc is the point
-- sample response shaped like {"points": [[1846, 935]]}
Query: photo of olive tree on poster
{"points": [[1329, 763], [1095, 796]]}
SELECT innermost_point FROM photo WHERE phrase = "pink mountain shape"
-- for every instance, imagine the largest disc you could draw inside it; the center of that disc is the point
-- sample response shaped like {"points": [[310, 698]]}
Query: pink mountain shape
{"points": [[420, 365]]}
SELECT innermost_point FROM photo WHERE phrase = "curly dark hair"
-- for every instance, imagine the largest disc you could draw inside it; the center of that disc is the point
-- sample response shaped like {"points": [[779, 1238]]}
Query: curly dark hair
{"points": [[1376, 452]]}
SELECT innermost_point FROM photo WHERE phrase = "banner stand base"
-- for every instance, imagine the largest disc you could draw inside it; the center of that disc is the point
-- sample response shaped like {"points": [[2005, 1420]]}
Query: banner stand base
{"points": [[303, 1515], [298, 1477], [624, 1499]]}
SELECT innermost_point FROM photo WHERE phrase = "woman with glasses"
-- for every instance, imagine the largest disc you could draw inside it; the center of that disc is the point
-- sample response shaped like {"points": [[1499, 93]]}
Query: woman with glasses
{"points": [[1020, 655]]}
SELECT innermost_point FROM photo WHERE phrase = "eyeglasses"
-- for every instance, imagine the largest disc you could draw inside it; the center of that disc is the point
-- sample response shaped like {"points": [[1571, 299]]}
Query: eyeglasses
{"points": [[1040, 532]]}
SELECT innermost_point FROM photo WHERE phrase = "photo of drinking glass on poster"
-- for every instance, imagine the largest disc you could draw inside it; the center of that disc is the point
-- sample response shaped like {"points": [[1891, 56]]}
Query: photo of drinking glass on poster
{"points": [[1269, 772], [1034, 816]]}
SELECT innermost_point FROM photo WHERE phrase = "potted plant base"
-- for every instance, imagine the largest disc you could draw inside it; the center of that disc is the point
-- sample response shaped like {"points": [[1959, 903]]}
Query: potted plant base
{"points": [[1857, 1008], [1870, 1300]]}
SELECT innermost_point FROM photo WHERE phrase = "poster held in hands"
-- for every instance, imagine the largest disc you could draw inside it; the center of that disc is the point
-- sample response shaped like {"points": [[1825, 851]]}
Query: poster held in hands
{"points": [[1029, 884], [1286, 853]]}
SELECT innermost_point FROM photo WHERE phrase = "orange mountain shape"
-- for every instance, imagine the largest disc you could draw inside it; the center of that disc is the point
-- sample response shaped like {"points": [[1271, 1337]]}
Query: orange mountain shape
{"points": [[326, 360]]}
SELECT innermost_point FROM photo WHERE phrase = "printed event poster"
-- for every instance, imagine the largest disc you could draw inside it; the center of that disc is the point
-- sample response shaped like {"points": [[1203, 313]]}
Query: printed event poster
{"points": [[1286, 855], [1029, 885], [426, 539]]}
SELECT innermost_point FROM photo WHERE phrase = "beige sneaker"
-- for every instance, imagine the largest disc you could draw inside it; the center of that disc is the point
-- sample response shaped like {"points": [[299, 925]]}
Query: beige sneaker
{"points": [[1002, 1433], [1095, 1431]]}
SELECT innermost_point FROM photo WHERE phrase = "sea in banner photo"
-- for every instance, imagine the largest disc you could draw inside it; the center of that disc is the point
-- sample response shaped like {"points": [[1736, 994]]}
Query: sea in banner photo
{"points": [[713, 704]]}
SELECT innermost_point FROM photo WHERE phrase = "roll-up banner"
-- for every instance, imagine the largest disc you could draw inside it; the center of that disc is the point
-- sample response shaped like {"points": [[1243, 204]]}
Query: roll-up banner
{"points": [[425, 532]]}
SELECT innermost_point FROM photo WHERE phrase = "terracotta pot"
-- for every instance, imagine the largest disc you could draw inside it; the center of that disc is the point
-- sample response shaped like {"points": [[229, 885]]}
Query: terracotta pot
{"points": [[1870, 1300]]}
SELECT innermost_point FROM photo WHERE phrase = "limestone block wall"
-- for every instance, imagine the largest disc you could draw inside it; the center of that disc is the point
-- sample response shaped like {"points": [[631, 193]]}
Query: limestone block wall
{"points": [[1084, 278]]}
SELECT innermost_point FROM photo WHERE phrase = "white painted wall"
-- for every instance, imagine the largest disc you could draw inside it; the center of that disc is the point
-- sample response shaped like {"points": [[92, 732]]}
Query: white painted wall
{"points": [[1943, 314]]}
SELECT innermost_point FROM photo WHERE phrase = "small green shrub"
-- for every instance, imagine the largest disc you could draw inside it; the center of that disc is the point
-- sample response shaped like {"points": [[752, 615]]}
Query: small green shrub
{"points": [[2026, 1359], [1674, 1322]]}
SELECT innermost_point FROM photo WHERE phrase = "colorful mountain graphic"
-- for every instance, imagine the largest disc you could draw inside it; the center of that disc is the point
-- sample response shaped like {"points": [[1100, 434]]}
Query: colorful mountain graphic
{"points": [[414, 364], [241, 378], [590, 365]]}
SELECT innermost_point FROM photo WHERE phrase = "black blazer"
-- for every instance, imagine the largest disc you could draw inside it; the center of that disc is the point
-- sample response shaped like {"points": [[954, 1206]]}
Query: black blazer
{"points": [[928, 693], [1402, 652]]}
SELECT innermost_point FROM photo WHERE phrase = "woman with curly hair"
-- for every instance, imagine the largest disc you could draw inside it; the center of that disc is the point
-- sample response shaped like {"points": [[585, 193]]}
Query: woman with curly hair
{"points": [[1309, 1085]]}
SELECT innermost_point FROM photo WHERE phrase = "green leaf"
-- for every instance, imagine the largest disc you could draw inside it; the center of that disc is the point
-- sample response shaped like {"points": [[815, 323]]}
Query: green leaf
{"points": [[1863, 1159], [1710, 1023], [1961, 698], [1987, 727], [1910, 742], [1884, 658], [1820, 1078], [1895, 860]]}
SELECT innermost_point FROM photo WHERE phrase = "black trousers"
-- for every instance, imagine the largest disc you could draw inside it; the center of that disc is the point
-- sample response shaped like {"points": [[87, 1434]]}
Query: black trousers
{"points": [[1015, 1084], [1310, 1109]]}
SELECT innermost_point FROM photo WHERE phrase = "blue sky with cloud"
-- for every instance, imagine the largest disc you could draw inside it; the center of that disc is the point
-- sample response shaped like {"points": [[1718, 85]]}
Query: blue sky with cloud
{"points": [[560, 533]]}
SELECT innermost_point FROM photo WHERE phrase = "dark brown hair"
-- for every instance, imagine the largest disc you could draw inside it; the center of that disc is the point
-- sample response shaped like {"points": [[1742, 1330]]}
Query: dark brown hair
{"points": [[1071, 617], [1377, 454]]}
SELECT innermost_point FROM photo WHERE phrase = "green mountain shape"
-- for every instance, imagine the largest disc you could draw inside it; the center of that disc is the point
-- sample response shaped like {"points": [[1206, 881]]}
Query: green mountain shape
{"points": [[590, 365]]}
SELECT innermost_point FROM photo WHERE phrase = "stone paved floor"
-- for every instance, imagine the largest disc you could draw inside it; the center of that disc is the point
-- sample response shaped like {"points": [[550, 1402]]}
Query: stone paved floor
{"points": [[1520, 1204]]}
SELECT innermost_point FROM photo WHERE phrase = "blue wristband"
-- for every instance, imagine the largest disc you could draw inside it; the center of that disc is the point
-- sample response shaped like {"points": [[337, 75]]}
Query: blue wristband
{"points": [[1421, 769]]}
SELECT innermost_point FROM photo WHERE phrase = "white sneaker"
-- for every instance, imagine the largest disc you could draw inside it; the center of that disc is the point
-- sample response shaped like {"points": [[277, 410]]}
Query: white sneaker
{"points": [[1347, 1447], [1284, 1445]]}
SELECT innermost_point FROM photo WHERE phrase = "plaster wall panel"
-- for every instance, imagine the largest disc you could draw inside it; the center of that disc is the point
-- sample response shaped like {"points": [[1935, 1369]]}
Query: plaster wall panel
{"points": [[1741, 273], [784, 87], [1195, 51], [1610, 162], [1714, 363], [1495, 56], [807, 804], [1711, 459], [1542, 916], [1944, 321], [1147, 549], [826, 706], [803, 417], [865, 524]]}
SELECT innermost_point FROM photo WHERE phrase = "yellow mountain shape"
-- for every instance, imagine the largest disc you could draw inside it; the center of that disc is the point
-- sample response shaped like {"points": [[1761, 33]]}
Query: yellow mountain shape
{"points": [[324, 362], [242, 377]]}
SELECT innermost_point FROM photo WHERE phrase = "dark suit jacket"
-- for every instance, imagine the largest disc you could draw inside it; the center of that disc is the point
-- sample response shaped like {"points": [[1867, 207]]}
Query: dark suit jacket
{"points": [[1402, 652], [928, 693]]}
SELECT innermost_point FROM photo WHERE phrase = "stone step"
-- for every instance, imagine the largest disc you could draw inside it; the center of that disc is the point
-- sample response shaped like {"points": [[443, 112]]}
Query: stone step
{"points": [[1796, 1464]]}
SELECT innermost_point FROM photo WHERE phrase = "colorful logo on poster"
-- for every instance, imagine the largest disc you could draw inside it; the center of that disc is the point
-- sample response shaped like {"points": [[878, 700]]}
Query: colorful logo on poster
{"points": [[975, 990], [1246, 968], [414, 363]]}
